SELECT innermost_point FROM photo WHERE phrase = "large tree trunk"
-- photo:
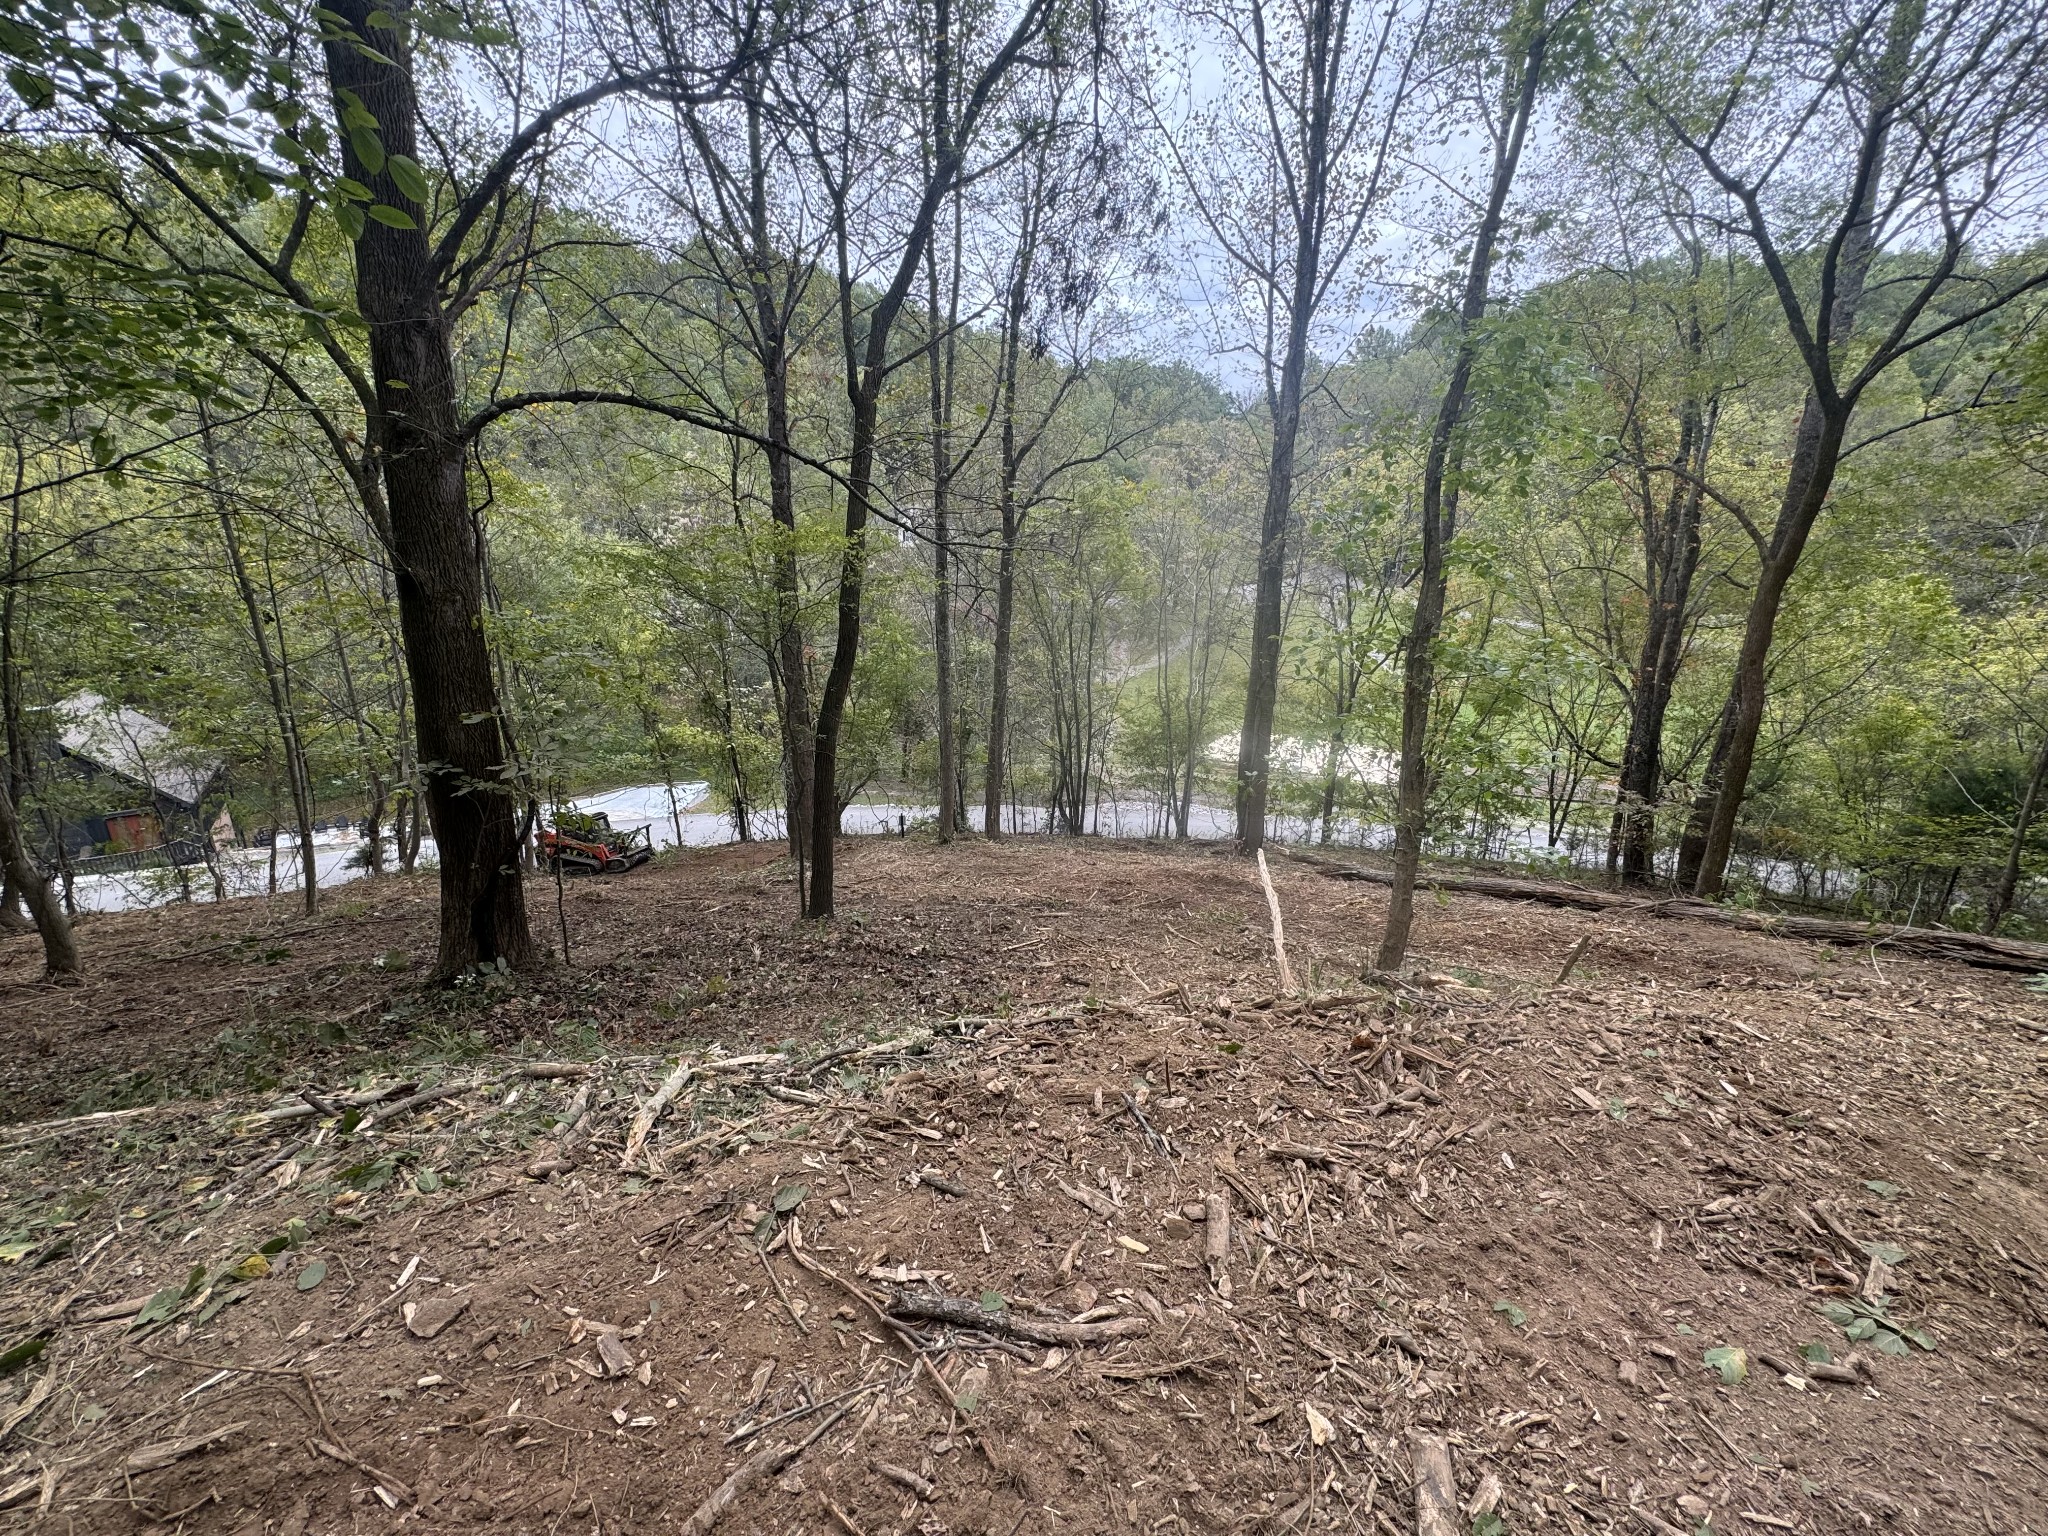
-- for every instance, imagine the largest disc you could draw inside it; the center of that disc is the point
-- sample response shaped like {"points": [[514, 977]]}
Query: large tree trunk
{"points": [[2009, 877], [1440, 521], [45, 910], [60, 945], [416, 436]]}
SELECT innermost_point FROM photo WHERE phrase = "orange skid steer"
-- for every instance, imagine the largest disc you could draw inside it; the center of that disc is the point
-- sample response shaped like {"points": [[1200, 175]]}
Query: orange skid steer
{"points": [[583, 843]]}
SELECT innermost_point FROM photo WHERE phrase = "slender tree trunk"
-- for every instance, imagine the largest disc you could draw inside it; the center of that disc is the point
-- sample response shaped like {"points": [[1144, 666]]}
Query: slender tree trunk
{"points": [[1671, 558], [282, 713], [1262, 686], [943, 317], [771, 330], [416, 434], [2008, 885], [1009, 473], [1439, 524]]}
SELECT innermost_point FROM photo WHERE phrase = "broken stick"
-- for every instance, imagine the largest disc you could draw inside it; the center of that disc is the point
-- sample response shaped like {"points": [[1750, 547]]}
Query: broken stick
{"points": [[962, 1313], [1279, 929], [1436, 1487], [1216, 1240], [649, 1112], [749, 1472]]}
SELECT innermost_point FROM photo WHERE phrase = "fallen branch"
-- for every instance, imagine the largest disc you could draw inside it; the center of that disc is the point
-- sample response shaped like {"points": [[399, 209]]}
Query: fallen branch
{"points": [[154, 1458], [903, 1477], [417, 1101], [959, 1312], [762, 1464], [650, 1111], [1928, 943], [1156, 1372], [1279, 929], [348, 1458]]}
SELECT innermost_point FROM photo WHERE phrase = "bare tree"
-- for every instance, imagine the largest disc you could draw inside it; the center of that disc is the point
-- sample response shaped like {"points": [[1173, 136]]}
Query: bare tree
{"points": [[1286, 172], [1515, 78]]}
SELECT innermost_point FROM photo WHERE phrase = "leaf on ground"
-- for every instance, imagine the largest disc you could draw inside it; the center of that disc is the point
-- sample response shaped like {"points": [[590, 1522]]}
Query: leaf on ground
{"points": [[1731, 1363], [1515, 1315], [1818, 1354], [21, 1354], [789, 1197], [311, 1275], [1882, 1188], [1888, 1253], [993, 1301]]}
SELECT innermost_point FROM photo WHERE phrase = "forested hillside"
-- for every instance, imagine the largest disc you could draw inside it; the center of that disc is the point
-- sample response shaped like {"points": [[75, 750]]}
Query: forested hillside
{"points": [[1075, 424]]}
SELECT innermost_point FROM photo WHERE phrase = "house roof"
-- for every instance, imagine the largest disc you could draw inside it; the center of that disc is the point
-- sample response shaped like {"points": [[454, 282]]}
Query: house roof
{"points": [[135, 746]]}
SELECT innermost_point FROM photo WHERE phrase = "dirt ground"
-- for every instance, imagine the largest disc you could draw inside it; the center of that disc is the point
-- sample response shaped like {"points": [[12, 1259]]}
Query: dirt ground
{"points": [[1532, 1220]]}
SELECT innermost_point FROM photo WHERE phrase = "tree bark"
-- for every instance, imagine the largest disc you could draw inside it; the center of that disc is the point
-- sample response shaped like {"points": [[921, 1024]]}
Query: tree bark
{"points": [[416, 435], [1440, 520]]}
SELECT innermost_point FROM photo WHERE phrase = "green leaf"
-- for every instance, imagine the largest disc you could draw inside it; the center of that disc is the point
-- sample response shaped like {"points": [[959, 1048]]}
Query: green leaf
{"points": [[407, 176], [1488, 1524], [1888, 1343], [1861, 1328], [390, 217], [1685, 1328], [1881, 1188], [1818, 1354], [1731, 1363], [368, 147], [1515, 1315], [789, 1197], [212, 1308], [36, 90], [21, 1354], [993, 1301], [1888, 1253], [311, 1275], [427, 1181], [1838, 1313]]}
